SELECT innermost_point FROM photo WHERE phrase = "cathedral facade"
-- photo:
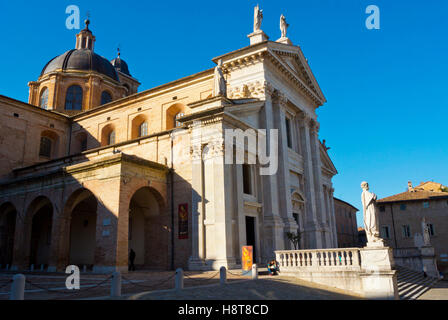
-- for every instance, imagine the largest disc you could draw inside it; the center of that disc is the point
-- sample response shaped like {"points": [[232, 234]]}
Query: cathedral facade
{"points": [[91, 168]]}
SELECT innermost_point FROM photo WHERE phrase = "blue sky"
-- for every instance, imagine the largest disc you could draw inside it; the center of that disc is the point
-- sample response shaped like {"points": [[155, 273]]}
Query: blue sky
{"points": [[385, 119]]}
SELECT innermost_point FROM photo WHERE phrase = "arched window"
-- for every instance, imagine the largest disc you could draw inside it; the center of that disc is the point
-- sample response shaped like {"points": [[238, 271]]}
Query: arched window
{"points": [[43, 101], [45, 147], [143, 129], [73, 99], [111, 138], [105, 97], [177, 116]]}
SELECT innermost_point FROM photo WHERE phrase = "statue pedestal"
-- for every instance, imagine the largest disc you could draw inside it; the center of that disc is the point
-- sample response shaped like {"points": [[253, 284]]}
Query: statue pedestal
{"points": [[257, 37], [284, 40], [379, 280], [429, 261]]}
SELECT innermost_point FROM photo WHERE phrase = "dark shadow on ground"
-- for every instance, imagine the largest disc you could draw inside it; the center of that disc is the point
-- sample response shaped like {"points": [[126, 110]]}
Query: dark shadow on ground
{"points": [[269, 288]]}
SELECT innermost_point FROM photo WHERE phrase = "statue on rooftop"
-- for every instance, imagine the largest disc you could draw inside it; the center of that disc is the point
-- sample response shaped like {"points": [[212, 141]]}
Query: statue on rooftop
{"points": [[258, 18], [283, 26], [220, 81]]}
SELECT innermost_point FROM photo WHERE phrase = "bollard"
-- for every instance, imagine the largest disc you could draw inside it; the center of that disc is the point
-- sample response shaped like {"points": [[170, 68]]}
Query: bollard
{"points": [[41, 267], [18, 287], [84, 268], [223, 275], [179, 281], [115, 288], [254, 272], [7, 267], [32, 267]]}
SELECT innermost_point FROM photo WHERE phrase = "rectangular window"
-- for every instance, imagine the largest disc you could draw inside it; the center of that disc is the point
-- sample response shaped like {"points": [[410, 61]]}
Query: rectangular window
{"points": [[288, 132], [385, 232], [426, 204], [402, 207], [406, 231], [45, 147], [83, 144], [382, 208], [247, 179], [431, 229]]}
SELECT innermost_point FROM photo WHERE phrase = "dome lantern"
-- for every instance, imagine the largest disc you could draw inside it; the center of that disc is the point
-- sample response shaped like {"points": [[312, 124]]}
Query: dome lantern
{"points": [[85, 39]]}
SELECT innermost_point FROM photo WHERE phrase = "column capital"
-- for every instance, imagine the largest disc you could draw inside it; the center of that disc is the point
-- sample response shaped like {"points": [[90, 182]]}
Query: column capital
{"points": [[196, 152], [268, 89], [305, 118], [314, 126], [281, 98]]}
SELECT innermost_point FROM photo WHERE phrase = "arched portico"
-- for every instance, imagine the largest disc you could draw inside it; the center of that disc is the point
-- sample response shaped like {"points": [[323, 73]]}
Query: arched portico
{"points": [[38, 232], [78, 240], [148, 229], [8, 215]]}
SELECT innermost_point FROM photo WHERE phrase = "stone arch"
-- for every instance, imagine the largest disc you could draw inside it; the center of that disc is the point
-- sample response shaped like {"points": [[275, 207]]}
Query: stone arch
{"points": [[171, 114], [136, 124], [43, 98], [298, 211], [51, 137], [81, 142], [74, 97], [149, 229], [8, 216], [78, 236], [106, 133], [106, 97], [38, 231]]}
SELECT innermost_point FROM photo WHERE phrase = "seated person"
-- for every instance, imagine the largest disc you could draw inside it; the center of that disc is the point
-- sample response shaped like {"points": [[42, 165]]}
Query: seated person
{"points": [[273, 268]]}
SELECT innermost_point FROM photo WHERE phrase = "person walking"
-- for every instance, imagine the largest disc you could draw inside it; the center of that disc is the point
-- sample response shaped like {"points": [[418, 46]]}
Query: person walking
{"points": [[131, 260]]}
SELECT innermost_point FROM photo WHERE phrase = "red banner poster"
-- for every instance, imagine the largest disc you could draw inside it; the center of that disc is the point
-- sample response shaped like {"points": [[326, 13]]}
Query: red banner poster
{"points": [[183, 220]]}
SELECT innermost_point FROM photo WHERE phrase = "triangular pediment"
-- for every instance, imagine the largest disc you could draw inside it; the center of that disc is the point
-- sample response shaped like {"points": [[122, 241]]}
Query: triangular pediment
{"points": [[327, 164], [293, 61]]}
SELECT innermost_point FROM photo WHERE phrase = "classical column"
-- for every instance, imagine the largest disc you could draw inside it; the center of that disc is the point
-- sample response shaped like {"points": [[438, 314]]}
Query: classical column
{"points": [[318, 185], [333, 219], [196, 260], [273, 235], [283, 175], [312, 228], [218, 213]]}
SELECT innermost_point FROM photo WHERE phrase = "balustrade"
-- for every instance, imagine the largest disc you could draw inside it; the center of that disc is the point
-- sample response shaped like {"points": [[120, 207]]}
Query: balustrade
{"points": [[319, 258]]}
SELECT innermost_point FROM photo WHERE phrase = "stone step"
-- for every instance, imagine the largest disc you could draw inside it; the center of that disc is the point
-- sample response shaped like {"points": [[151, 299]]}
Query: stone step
{"points": [[412, 279], [404, 274], [419, 289], [412, 284]]}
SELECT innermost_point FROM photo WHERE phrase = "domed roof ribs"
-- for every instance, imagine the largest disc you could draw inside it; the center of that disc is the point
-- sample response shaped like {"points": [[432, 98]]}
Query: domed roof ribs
{"points": [[66, 59], [82, 58]]}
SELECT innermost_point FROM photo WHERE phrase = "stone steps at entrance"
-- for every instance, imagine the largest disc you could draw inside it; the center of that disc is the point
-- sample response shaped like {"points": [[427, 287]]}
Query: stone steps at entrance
{"points": [[412, 284]]}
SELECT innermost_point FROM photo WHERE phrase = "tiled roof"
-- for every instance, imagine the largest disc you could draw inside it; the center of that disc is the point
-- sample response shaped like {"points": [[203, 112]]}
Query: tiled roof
{"points": [[413, 196]]}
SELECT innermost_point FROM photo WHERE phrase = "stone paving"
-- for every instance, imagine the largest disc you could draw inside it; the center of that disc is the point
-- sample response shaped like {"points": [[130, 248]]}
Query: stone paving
{"points": [[51, 286], [265, 288], [438, 292]]}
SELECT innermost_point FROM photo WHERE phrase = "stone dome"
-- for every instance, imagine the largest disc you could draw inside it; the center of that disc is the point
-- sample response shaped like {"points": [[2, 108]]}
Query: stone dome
{"points": [[121, 65], [81, 60]]}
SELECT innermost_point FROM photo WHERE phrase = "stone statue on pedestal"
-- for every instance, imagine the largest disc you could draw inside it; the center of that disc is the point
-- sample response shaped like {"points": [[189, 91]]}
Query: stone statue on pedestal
{"points": [[283, 26], [370, 215], [425, 231], [220, 81], [258, 18]]}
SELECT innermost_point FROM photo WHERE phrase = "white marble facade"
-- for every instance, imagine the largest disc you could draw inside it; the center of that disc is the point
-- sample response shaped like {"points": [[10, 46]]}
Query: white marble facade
{"points": [[267, 83]]}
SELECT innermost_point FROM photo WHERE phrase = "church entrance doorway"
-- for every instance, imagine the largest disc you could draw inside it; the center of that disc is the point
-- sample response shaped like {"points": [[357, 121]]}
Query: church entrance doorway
{"points": [[250, 235]]}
